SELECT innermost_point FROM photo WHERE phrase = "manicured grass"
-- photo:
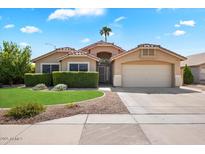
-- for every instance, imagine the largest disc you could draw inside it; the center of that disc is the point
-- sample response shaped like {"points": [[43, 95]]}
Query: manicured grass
{"points": [[10, 97]]}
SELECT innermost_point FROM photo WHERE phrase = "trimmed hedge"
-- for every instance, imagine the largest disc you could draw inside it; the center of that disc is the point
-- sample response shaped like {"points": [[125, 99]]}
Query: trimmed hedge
{"points": [[32, 79], [76, 79]]}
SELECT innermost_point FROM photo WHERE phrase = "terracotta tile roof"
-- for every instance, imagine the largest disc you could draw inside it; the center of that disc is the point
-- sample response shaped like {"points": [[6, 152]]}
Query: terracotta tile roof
{"points": [[79, 53], [194, 60], [148, 45], [65, 49], [102, 43]]}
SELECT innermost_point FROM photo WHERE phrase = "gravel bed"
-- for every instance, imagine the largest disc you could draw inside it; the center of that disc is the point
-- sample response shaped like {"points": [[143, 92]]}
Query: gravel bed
{"points": [[109, 104]]}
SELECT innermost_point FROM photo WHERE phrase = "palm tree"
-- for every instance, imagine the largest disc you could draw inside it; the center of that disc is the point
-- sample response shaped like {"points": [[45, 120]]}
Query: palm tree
{"points": [[106, 32]]}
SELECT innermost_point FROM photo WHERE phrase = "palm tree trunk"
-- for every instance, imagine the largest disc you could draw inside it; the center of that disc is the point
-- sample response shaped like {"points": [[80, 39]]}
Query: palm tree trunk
{"points": [[105, 38]]}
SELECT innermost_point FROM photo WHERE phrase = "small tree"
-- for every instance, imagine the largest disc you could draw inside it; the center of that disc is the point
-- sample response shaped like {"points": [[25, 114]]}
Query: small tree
{"points": [[106, 32], [14, 62], [188, 77]]}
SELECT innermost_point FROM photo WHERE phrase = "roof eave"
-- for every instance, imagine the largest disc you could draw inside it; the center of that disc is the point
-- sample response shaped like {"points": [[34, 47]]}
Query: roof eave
{"points": [[68, 56], [182, 58]]}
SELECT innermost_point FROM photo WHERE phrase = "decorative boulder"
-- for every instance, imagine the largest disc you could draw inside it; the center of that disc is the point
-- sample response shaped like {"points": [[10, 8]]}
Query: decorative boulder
{"points": [[40, 87], [60, 87]]}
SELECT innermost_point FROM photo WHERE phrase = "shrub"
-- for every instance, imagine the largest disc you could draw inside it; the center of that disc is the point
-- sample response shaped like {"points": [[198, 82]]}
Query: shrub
{"points": [[40, 87], [72, 105], [76, 79], [32, 79], [26, 110], [60, 87], [188, 77]]}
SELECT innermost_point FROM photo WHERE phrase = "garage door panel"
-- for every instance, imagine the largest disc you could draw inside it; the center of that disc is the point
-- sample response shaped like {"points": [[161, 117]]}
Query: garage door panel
{"points": [[146, 76]]}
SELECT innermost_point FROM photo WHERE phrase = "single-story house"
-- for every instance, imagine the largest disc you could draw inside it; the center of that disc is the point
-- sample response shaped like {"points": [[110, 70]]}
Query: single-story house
{"points": [[197, 64], [147, 65]]}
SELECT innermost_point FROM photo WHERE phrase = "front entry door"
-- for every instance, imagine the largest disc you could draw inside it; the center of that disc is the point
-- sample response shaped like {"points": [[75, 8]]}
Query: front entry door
{"points": [[104, 74], [101, 74]]}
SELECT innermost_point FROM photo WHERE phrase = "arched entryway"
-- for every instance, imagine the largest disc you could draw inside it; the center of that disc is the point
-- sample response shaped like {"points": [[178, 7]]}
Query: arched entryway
{"points": [[104, 55], [104, 67]]}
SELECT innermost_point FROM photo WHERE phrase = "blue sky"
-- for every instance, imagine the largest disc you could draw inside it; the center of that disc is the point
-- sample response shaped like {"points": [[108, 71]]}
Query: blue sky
{"points": [[180, 30]]}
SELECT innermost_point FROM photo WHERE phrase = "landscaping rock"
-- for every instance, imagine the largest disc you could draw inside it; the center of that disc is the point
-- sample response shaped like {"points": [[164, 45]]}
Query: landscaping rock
{"points": [[60, 87], [40, 87]]}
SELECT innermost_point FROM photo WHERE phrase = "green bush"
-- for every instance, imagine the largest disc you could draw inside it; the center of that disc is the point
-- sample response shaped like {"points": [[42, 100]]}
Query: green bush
{"points": [[32, 79], [76, 79], [72, 105], [25, 111], [188, 77]]}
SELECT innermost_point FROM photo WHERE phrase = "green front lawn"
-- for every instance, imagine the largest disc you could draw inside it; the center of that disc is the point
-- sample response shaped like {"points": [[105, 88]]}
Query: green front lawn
{"points": [[10, 97]]}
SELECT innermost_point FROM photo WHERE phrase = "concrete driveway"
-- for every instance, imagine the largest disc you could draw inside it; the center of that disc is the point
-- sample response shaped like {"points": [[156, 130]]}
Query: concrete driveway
{"points": [[162, 100], [167, 115]]}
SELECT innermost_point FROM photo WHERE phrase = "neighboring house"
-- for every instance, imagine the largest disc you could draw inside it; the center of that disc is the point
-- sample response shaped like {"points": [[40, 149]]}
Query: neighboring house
{"points": [[197, 64], [147, 65]]}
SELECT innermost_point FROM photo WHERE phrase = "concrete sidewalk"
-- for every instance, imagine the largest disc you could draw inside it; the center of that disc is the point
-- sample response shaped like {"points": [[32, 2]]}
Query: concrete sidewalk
{"points": [[109, 129]]}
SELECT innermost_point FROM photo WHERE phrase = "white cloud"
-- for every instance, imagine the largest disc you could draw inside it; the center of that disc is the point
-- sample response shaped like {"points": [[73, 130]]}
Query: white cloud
{"points": [[30, 29], [24, 44], [9, 26], [116, 22], [179, 33], [190, 23], [85, 40], [177, 25], [111, 34], [63, 14], [119, 19]]}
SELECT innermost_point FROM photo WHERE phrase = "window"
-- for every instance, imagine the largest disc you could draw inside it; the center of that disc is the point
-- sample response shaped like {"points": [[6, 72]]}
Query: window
{"points": [[73, 67], [48, 68], [148, 52], [78, 67]]}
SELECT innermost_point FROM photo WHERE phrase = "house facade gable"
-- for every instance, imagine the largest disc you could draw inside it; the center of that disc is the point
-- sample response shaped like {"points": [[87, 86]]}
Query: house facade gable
{"points": [[136, 57]]}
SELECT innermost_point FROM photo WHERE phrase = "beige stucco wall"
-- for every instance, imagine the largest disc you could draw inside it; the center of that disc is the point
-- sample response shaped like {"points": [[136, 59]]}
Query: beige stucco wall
{"points": [[195, 72], [202, 74], [92, 63], [49, 59], [109, 49], [135, 57]]}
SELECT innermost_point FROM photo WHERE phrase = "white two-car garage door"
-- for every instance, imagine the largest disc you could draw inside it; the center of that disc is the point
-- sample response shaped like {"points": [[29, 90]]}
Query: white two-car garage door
{"points": [[146, 75]]}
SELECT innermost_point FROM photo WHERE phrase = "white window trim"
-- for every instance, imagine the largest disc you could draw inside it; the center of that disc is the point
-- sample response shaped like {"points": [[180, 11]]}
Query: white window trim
{"points": [[68, 65], [41, 68]]}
